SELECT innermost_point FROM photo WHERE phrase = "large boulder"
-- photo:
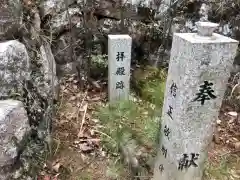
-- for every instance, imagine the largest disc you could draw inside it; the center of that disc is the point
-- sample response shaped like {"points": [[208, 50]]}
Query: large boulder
{"points": [[14, 67], [14, 127], [10, 18]]}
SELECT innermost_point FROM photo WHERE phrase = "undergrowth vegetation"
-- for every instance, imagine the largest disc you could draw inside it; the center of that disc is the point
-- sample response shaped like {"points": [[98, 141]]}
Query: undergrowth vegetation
{"points": [[134, 124]]}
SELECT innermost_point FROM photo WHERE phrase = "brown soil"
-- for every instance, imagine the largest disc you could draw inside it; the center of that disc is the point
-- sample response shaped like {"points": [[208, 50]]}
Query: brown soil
{"points": [[78, 154]]}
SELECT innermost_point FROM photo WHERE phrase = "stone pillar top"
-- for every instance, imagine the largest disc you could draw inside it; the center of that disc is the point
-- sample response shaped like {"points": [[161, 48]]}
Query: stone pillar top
{"points": [[113, 36], [206, 28]]}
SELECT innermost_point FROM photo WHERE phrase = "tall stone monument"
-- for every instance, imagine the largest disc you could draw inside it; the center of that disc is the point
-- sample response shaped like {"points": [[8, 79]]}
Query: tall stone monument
{"points": [[119, 61], [198, 73]]}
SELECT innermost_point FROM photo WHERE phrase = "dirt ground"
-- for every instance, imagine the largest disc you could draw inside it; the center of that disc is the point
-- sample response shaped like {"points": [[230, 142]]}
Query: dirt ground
{"points": [[78, 154]]}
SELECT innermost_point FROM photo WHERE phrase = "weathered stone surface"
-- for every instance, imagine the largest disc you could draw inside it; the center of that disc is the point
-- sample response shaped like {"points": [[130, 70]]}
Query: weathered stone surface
{"points": [[119, 60], [10, 18], [64, 47], [14, 66], [62, 20], [109, 26], [48, 69], [66, 69], [198, 73], [13, 126], [52, 7]]}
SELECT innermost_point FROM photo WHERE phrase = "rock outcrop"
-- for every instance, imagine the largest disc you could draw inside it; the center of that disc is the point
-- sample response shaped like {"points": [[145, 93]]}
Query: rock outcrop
{"points": [[10, 18], [14, 127], [14, 67]]}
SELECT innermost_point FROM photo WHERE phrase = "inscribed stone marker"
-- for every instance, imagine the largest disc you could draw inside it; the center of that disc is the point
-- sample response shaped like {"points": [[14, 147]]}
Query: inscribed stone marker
{"points": [[119, 61], [198, 73]]}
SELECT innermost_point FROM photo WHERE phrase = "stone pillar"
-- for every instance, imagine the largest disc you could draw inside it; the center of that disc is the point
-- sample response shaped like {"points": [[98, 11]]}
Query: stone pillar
{"points": [[119, 61], [198, 73]]}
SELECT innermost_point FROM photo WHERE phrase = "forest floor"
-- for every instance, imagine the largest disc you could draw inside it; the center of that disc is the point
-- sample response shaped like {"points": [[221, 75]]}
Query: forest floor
{"points": [[79, 153]]}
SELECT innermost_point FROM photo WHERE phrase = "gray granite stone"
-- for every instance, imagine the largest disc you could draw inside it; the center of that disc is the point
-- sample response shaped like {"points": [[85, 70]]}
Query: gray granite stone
{"points": [[61, 20], [52, 7], [14, 66], [119, 60], [187, 122], [13, 126], [10, 18], [48, 69]]}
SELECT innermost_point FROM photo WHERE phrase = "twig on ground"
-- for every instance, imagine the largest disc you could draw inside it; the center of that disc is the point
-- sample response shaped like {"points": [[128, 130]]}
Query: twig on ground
{"points": [[102, 133], [231, 152], [83, 121], [84, 97], [60, 105], [58, 144]]}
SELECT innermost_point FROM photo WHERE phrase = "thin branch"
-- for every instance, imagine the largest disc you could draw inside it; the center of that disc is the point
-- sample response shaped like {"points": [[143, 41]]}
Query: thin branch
{"points": [[80, 133]]}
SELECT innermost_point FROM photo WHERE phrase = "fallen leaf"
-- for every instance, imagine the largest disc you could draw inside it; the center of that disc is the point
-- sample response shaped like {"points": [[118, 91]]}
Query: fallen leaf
{"points": [[235, 139], [56, 167], [71, 79], [232, 113], [95, 120], [79, 95], [219, 121], [76, 142], [96, 84], [75, 87], [96, 98], [83, 157], [237, 145], [75, 81], [73, 98]]}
